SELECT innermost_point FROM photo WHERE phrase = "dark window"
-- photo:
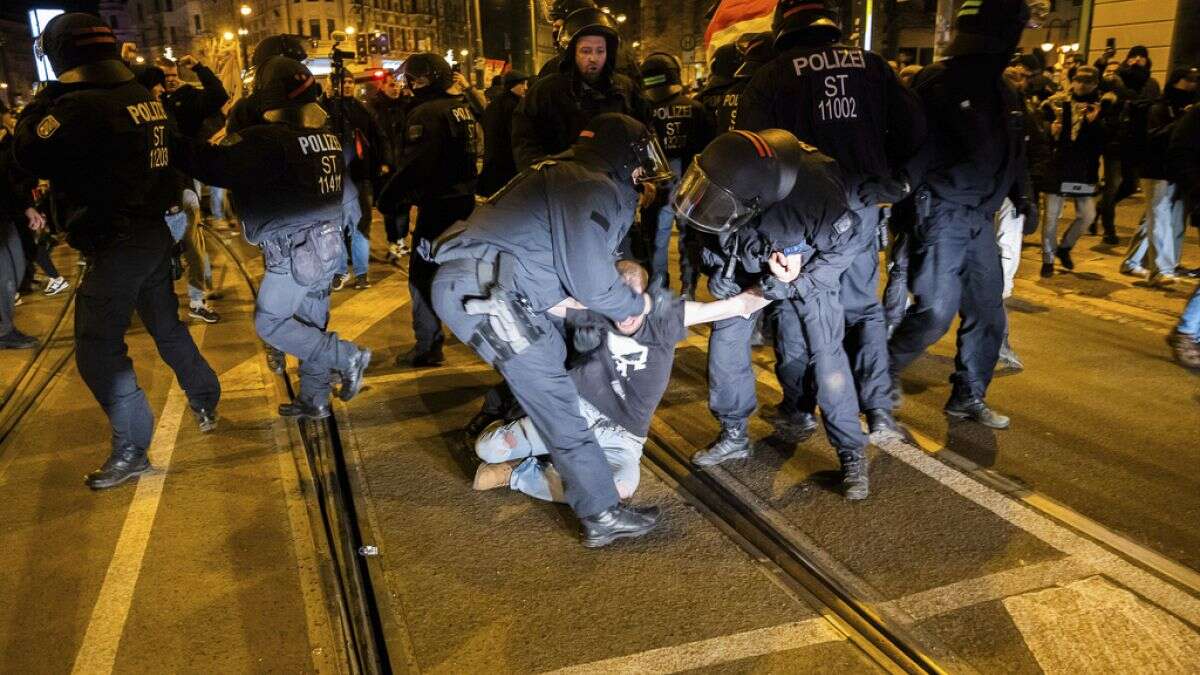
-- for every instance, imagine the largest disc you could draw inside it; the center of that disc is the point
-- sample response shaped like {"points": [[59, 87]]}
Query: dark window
{"points": [[331, 26], [314, 28], [196, 20], [141, 12], [172, 29], [299, 26], [170, 6], [112, 22]]}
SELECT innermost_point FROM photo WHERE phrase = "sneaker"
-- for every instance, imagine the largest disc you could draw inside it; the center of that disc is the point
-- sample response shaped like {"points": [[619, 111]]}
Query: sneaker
{"points": [[206, 419], [1135, 271], [404, 249], [492, 476], [1008, 357], [1162, 279], [361, 283], [17, 300], [881, 424], [1191, 274], [15, 339], [1064, 257], [339, 281], [394, 253], [733, 443], [1186, 349], [55, 286], [974, 409], [1047, 270], [204, 313]]}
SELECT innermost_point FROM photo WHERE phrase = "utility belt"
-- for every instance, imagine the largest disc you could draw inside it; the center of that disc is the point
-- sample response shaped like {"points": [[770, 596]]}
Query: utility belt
{"points": [[313, 252], [510, 324]]}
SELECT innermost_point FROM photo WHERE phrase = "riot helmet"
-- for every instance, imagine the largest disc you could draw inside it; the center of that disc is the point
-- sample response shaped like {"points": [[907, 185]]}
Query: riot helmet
{"points": [[429, 66], [725, 62], [559, 10], [756, 49], [737, 177], [82, 48], [278, 45], [620, 145], [588, 21], [287, 92], [661, 78], [808, 22], [993, 26]]}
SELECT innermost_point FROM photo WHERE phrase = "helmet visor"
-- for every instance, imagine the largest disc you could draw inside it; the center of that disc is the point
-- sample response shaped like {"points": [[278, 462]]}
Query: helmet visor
{"points": [[655, 167], [707, 206]]}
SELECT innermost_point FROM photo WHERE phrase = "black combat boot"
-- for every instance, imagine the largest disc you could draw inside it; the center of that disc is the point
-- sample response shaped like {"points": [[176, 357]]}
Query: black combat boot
{"points": [[1064, 257], [795, 427], [881, 422], [276, 360], [125, 462], [352, 374], [305, 410], [733, 443], [619, 522], [15, 339], [968, 407], [855, 485]]}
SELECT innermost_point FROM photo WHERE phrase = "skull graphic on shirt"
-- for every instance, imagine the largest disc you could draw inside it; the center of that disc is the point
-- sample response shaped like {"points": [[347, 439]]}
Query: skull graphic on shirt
{"points": [[627, 353]]}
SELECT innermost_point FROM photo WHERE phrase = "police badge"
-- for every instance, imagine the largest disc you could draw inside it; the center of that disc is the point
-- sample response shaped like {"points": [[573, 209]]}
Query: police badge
{"points": [[47, 127]]}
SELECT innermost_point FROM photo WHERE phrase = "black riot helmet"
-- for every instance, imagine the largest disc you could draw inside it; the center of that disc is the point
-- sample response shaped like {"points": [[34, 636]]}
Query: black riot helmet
{"points": [[661, 78], [807, 22], [285, 86], [738, 176], [725, 62], [429, 66], [619, 144], [588, 21], [82, 48], [756, 49], [993, 26], [278, 45], [559, 10]]}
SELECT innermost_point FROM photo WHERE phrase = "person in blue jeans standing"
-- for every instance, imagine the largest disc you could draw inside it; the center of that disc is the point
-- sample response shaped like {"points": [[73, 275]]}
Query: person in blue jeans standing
{"points": [[1183, 165]]}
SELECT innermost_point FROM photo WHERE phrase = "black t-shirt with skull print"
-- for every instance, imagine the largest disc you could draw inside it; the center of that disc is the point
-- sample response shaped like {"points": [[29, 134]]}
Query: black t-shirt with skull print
{"points": [[625, 378]]}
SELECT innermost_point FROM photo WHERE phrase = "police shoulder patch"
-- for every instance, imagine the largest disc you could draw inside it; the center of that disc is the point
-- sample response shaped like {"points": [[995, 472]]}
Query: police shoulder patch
{"points": [[47, 127], [415, 132], [842, 224]]}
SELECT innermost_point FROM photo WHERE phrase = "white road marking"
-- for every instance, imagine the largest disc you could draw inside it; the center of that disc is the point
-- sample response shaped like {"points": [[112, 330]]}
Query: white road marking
{"points": [[715, 651], [98, 653]]}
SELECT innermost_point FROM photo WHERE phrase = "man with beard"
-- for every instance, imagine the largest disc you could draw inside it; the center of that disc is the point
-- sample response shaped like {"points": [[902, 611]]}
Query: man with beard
{"points": [[973, 159], [559, 105]]}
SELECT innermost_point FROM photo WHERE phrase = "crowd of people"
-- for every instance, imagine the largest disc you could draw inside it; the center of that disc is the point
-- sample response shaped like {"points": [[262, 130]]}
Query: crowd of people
{"points": [[541, 212]]}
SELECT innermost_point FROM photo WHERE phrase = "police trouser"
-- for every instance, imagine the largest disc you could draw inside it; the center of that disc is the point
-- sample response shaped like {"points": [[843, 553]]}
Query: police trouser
{"points": [[12, 270], [135, 274], [955, 269], [539, 380], [866, 331], [895, 292], [810, 352], [434, 217], [731, 383], [292, 309]]}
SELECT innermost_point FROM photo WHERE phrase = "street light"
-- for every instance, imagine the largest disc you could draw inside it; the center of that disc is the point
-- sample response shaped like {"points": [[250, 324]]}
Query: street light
{"points": [[245, 10], [621, 18], [1047, 46], [463, 53], [351, 30], [243, 32], [227, 36]]}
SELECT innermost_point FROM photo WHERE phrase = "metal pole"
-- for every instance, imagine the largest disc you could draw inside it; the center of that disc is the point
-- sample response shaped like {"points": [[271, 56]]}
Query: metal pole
{"points": [[479, 43], [533, 33]]}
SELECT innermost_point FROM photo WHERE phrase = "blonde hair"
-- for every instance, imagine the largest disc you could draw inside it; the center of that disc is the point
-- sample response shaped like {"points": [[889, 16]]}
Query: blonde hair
{"points": [[631, 271]]}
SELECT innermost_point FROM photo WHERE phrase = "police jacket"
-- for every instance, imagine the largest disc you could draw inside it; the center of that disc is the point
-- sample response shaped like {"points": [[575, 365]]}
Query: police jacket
{"points": [[561, 223], [440, 148], [191, 106], [1077, 149], [682, 125], [499, 167], [285, 176], [845, 101], [975, 153], [1183, 157], [106, 151], [815, 221], [558, 106], [721, 101]]}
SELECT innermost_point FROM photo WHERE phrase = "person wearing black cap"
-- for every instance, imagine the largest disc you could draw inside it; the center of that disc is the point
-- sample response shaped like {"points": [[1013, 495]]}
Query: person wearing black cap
{"points": [[549, 235], [559, 104], [102, 141], [724, 64], [973, 159], [683, 127], [499, 167], [287, 176], [437, 172], [780, 209], [850, 105], [246, 111]]}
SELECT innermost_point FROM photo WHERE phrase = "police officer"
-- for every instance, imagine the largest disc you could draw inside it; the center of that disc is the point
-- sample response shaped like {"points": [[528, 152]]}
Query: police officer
{"points": [[724, 64], [437, 173], [247, 111], [549, 236], [848, 103], [975, 158], [559, 105], [102, 141], [797, 252], [287, 176], [683, 127]]}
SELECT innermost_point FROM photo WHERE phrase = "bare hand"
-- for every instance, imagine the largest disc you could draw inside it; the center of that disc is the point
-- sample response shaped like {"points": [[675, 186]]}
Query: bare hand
{"points": [[461, 81], [785, 267], [751, 300], [37, 222], [1056, 129], [560, 310], [129, 51], [188, 61], [649, 192]]}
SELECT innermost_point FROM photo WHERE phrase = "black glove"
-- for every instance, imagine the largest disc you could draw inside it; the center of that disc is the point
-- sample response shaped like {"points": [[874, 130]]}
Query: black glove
{"points": [[662, 299], [1029, 209], [882, 190], [587, 329], [722, 287]]}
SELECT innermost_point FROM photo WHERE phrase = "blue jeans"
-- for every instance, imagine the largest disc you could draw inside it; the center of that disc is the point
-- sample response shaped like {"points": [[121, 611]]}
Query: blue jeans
{"points": [[178, 224], [356, 205], [1162, 228], [216, 203], [1085, 213], [520, 439], [1189, 323], [664, 223]]}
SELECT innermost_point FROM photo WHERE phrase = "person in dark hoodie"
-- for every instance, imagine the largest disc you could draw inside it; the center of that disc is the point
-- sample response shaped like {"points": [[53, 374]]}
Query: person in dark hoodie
{"points": [[389, 105], [1077, 136], [1135, 71], [560, 104], [1115, 99], [1159, 237], [499, 167], [973, 159]]}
